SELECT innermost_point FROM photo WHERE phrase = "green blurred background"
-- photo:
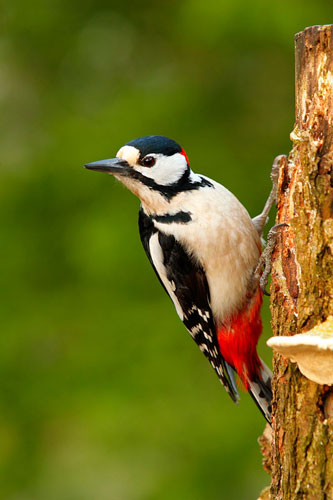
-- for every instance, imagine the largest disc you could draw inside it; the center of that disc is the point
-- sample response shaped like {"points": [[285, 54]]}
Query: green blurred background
{"points": [[103, 395]]}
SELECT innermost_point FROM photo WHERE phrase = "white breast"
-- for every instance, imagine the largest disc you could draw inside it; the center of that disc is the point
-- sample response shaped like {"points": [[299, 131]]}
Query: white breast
{"points": [[222, 237]]}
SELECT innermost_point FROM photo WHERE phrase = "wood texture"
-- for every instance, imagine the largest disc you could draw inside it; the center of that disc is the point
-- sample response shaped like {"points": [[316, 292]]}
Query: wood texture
{"points": [[301, 289]]}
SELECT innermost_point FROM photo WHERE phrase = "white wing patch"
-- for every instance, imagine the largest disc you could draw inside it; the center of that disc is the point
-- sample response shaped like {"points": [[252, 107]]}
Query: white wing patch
{"points": [[157, 258]]}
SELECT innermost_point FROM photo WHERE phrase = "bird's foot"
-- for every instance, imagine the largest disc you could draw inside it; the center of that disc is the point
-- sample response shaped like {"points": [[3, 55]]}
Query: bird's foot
{"points": [[260, 220], [275, 174], [260, 276]]}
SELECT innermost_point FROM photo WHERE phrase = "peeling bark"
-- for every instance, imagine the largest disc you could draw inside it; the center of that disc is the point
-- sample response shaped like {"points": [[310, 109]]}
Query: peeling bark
{"points": [[302, 288]]}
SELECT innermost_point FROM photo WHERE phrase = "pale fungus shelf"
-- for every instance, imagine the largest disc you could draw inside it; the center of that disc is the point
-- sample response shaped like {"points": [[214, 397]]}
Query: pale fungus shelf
{"points": [[312, 351]]}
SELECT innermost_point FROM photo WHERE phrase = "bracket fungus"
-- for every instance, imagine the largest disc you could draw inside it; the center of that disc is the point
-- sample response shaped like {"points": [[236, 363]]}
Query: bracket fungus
{"points": [[312, 351]]}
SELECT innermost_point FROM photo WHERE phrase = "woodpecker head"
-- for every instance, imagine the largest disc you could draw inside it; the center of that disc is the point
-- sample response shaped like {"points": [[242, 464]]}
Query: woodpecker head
{"points": [[152, 165]]}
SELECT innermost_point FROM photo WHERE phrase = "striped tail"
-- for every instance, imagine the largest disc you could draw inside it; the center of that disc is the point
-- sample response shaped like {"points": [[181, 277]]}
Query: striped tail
{"points": [[261, 391]]}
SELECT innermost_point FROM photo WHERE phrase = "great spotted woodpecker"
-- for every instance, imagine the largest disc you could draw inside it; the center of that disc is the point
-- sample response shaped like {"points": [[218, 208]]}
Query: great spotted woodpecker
{"points": [[205, 250]]}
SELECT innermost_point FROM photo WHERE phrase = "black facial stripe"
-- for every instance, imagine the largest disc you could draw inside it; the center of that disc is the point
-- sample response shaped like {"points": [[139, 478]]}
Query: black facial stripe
{"points": [[180, 217], [183, 184], [155, 144]]}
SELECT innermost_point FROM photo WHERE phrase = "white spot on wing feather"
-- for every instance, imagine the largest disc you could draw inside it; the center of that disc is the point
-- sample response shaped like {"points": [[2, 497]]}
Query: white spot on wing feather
{"points": [[204, 314], [207, 336], [196, 329], [203, 348], [215, 352]]}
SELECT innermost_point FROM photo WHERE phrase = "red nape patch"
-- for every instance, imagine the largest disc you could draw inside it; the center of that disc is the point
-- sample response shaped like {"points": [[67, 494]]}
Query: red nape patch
{"points": [[238, 342], [186, 158]]}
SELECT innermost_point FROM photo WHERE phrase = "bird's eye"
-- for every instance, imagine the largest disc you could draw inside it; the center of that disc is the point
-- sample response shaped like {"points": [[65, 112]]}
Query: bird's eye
{"points": [[148, 161]]}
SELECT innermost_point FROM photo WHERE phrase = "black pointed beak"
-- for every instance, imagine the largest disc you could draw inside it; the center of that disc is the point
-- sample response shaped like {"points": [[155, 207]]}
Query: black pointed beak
{"points": [[111, 166]]}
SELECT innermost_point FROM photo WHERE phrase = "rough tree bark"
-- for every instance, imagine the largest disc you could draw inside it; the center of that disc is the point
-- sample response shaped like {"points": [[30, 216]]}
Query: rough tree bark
{"points": [[302, 288]]}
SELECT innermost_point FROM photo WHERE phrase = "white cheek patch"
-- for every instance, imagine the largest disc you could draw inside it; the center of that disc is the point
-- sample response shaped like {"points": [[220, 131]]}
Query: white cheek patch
{"points": [[167, 169]]}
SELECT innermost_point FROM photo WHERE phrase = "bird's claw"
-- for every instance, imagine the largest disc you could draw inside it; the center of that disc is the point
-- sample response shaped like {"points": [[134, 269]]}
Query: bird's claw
{"points": [[266, 258], [275, 169]]}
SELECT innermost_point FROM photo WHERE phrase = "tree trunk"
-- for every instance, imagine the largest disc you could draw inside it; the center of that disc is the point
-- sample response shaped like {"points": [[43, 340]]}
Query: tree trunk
{"points": [[301, 289]]}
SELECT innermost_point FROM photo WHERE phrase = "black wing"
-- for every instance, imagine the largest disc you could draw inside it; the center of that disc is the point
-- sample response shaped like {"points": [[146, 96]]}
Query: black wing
{"points": [[185, 282]]}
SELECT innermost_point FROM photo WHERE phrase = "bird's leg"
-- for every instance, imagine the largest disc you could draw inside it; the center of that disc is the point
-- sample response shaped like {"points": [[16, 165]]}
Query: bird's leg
{"points": [[260, 276], [261, 219], [265, 260]]}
